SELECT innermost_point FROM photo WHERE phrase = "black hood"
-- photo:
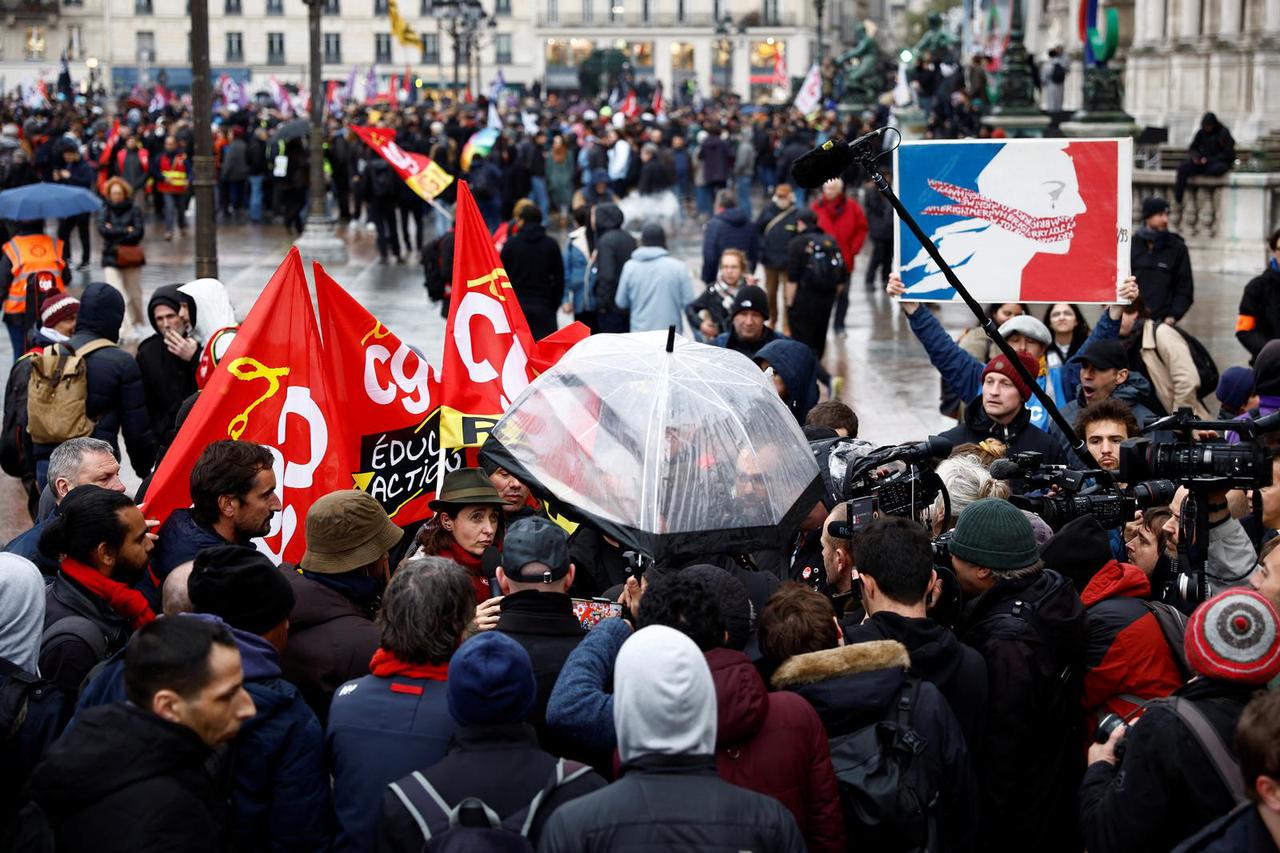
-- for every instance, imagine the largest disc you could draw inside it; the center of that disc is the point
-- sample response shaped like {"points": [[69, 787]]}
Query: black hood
{"points": [[101, 312], [935, 651], [170, 295], [111, 747], [608, 217], [735, 216]]}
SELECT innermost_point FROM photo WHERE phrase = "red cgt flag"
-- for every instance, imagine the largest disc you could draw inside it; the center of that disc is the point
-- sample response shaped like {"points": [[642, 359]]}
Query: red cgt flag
{"points": [[270, 388], [423, 175]]}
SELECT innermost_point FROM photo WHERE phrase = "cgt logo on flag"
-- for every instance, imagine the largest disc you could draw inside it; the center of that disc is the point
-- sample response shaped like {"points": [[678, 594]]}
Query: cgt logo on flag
{"points": [[423, 175]]}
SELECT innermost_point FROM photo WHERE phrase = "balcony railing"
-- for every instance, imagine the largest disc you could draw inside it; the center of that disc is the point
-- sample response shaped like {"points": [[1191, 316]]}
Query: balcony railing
{"points": [[29, 8]]}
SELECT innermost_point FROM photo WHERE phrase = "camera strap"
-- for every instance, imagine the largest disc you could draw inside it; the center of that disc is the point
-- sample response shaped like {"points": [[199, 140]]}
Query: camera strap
{"points": [[1227, 768]]}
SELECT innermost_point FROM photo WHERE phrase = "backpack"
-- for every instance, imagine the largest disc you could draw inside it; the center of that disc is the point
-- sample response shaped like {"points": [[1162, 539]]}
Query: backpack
{"points": [[384, 182], [58, 390], [1206, 367], [889, 785], [433, 272], [824, 270], [33, 712], [17, 456], [1173, 624], [473, 826], [1058, 73]]}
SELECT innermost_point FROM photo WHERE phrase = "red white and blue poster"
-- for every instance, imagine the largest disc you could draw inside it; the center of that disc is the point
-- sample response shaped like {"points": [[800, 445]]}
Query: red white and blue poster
{"points": [[1023, 220]]}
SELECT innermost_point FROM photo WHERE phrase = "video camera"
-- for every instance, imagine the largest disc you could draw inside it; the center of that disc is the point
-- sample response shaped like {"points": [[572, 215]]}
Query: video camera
{"points": [[1070, 494], [882, 480]]}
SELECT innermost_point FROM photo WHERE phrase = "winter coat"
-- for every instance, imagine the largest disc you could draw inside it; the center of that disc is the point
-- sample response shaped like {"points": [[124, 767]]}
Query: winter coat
{"points": [[852, 687], [533, 263], [577, 272], [1127, 651], [82, 174], [797, 365], [729, 339], [774, 744], [180, 538], [235, 161], [380, 729], [1020, 434], [544, 624], [67, 659], [127, 228], [116, 400], [1032, 754], [280, 784], [1259, 319], [793, 147], [655, 177], [843, 220], [167, 379], [331, 641], [1216, 144], [879, 215], [717, 301], [1165, 787], [125, 781], [744, 158], [716, 157], [1162, 265], [613, 248], [937, 656], [655, 287], [728, 229], [1169, 367], [775, 236], [1135, 392], [560, 181], [580, 708], [1238, 831], [501, 765], [27, 544]]}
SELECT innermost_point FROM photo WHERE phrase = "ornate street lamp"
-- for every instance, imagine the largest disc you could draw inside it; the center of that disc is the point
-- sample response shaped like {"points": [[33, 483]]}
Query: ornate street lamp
{"points": [[202, 179]]}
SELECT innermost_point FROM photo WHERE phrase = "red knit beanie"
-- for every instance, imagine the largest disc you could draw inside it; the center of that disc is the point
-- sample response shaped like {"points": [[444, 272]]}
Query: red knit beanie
{"points": [[1001, 365], [1235, 636]]}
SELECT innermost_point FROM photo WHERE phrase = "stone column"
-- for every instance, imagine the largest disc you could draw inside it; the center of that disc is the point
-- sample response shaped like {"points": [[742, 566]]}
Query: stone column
{"points": [[1271, 18], [664, 66], [1152, 21], [741, 80], [702, 48], [1229, 23], [1188, 20]]}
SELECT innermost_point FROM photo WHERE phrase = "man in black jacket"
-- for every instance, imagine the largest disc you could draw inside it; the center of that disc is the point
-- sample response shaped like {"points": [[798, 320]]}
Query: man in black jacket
{"points": [[613, 249], [1212, 152], [116, 401], [1028, 624], [536, 269], [894, 559], [493, 756], [880, 231], [777, 225], [1259, 319], [670, 796], [1000, 413], [135, 776], [168, 359], [1160, 261], [1168, 782]]}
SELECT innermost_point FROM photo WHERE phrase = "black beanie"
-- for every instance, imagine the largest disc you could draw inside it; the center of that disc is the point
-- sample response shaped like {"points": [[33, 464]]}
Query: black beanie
{"points": [[750, 298], [731, 595], [240, 586], [1078, 550], [1266, 370]]}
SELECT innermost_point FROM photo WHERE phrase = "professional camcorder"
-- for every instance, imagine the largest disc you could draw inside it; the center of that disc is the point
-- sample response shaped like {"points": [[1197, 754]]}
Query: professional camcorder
{"points": [[890, 477], [1170, 449], [1069, 494]]}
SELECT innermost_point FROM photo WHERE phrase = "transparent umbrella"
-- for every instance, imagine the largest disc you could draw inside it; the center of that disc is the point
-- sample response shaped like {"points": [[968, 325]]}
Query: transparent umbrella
{"points": [[672, 447]]}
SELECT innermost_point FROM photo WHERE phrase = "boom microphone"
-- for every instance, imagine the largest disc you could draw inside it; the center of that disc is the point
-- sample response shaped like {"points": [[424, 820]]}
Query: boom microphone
{"points": [[1005, 469], [934, 447], [829, 160]]}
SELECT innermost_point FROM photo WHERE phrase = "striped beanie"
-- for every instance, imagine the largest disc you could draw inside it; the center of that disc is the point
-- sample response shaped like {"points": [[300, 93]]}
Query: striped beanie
{"points": [[1235, 636], [57, 307]]}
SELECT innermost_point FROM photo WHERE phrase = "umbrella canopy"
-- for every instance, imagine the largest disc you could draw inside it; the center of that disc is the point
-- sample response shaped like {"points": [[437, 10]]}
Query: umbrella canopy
{"points": [[481, 142], [296, 129], [46, 201], [678, 453]]}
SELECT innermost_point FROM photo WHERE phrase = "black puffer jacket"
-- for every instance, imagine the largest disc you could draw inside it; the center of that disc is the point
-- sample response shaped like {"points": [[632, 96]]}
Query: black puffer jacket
{"points": [[1162, 265], [166, 379], [673, 803], [116, 399], [1165, 787], [1031, 632], [127, 229], [775, 240], [536, 269], [1259, 319], [122, 779], [1020, 435], [613, 249]]}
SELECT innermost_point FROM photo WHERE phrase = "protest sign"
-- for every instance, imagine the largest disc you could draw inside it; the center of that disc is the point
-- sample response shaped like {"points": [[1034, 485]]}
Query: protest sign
{"points": [[1034, 220]]}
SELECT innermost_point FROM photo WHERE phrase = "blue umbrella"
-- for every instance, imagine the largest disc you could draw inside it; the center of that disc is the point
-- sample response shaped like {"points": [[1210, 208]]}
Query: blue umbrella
{"points": [[46, 201]]}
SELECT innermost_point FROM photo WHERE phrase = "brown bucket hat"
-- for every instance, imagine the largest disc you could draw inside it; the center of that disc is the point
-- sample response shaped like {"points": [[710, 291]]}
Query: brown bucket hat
{"points": [[347, 530], [464, 487]]}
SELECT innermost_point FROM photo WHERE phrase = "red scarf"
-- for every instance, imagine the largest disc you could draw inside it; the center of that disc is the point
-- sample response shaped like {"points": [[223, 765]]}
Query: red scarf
{"points": [[471, 563], [126, 601], [386, 665]]}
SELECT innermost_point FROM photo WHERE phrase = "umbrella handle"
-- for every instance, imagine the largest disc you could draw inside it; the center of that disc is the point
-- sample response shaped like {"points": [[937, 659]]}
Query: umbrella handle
{"points": [[671, 339]]}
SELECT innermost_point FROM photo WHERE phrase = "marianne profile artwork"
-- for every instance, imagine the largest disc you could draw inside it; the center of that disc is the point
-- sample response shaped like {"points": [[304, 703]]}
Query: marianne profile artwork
{"points": [[1018, 220]]}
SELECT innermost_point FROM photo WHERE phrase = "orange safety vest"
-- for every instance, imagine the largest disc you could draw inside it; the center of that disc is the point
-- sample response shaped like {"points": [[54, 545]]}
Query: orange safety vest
{"points": [[173, 173], [29, 254]]}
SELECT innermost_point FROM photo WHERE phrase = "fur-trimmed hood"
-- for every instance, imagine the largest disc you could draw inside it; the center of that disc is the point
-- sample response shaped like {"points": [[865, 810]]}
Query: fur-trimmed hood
{"points": [[851, 686]]}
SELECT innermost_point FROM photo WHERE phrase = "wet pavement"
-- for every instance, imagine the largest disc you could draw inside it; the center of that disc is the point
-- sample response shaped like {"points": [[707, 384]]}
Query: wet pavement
{"points": [[888, 379]]}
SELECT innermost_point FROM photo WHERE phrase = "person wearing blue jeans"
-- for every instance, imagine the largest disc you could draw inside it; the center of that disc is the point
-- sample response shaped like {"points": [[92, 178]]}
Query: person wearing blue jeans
{"points": [[255, 197], [539, 195]]}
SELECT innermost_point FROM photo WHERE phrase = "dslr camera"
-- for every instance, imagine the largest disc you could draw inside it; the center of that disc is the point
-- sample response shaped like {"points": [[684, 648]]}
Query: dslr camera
{"points": [[1067, 494]]}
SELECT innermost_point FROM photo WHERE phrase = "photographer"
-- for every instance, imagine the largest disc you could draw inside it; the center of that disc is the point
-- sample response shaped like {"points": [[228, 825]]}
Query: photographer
{"points": [[1029, 626], [1231, 556], [895, 570], [1169, 780], [837, 563]]}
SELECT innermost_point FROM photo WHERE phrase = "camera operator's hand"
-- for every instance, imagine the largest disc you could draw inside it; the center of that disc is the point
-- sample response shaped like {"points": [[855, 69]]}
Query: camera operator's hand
{"points": [[896, 288], [1126, 293], [1107, 751]]}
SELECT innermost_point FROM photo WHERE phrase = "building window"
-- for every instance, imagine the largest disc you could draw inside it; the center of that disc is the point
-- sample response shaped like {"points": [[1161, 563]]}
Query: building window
{"points": [[553, 12], [145, 47], [379, 7], [142, 7], [680, 11], [588, 12], [275, 7], [427, 9], [72, 2], [235, 47], [615, 11], [502, 7], [771, 12], [502, 49], [331, 7], [382, 47], [231, 7], [275, 48], [75, 41], [646, 11], [717, 11], [332, 48], [430, 48], [34, 46]]}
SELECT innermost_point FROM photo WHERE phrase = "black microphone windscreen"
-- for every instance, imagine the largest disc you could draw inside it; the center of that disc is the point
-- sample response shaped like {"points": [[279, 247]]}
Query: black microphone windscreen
{"points": [[829, 160], [1005, 469], [939, 447]]}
